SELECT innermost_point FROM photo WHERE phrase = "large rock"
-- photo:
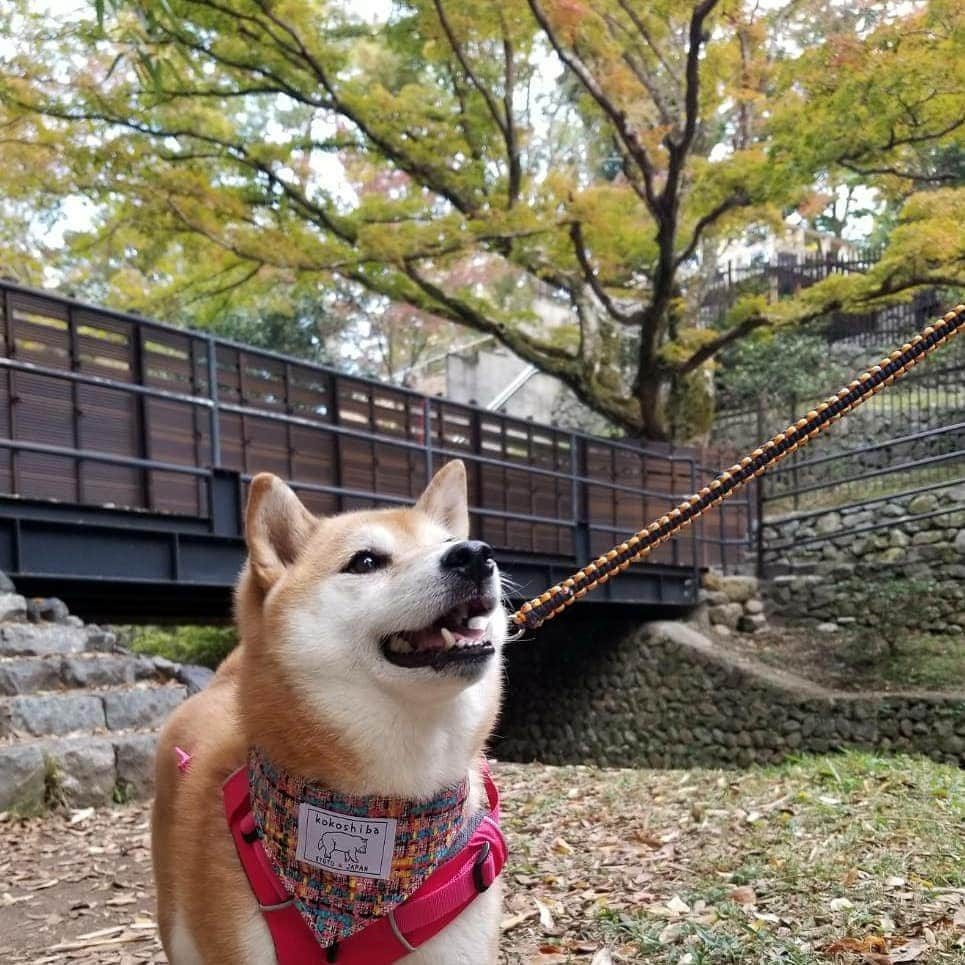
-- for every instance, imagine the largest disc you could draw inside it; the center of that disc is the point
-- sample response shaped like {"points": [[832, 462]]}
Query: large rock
{"points": [[26, 675], [22, 778], [739, 589], [100, 639], [53, 610], [135, 764], [727, 614], [98, 670], [829, 523], [83, 771], [141, 708], [6, 584], [193, 677], [37, 640], [922, 503], [13, 608], [41, 715]]}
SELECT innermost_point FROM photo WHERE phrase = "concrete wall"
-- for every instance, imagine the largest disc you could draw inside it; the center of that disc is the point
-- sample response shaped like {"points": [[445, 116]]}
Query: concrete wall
{"points": [[479, 376]]}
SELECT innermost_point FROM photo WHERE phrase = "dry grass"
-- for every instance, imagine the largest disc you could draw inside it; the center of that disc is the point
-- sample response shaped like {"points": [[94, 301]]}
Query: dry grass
{"points": [[688, 868], [767, 866]]}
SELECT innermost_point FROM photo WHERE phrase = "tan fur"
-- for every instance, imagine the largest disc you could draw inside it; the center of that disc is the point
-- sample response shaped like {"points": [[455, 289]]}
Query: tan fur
{"points": [[261, 696]]}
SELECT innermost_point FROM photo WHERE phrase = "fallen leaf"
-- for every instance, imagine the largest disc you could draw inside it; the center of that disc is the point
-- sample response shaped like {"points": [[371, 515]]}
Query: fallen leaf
{"points": [[562, 846], [545, 917], [910, 952], [743, 896], [870, 943], [677, 906], [512, 921], [670, 934]]}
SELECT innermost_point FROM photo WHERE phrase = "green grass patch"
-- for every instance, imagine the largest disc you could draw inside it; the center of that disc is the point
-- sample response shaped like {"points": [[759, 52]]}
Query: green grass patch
{"points": [[927, 660], [861, 658], [204, 645]]}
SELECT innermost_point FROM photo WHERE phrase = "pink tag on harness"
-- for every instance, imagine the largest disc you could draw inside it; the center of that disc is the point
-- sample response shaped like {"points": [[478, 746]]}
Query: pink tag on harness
{"points": [[184, 759]]}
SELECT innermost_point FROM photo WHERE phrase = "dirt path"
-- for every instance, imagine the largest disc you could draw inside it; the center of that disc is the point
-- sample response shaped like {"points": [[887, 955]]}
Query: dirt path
{"points": [[847, 859]]}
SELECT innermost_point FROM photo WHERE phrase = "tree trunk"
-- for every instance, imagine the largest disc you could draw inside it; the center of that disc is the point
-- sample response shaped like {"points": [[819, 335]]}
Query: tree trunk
{"points": [[654, 392]]}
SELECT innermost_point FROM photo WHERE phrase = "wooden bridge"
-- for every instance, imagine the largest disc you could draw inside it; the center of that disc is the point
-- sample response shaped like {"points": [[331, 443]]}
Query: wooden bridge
{"points": [[126, 447]]}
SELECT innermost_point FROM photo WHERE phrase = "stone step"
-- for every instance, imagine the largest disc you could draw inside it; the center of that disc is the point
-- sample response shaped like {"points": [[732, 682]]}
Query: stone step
{"points": [[81, 771], [55, 714], [30, 675], [41, 639]]}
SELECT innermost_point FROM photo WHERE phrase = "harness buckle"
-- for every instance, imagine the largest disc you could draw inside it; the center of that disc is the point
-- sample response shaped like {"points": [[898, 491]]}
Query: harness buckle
{"points": [[478, 866]]}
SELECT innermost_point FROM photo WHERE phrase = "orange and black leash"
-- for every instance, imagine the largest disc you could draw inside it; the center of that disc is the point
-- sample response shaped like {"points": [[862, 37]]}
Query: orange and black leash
{"points": [[557, 598]]}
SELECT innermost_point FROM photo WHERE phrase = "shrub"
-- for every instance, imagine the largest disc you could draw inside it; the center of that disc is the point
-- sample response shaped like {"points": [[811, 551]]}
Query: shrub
{"points": [[204, 645]]}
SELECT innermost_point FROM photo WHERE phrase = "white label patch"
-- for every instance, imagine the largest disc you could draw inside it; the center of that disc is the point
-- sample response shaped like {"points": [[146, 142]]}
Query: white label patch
{"points": [[345, 844]]}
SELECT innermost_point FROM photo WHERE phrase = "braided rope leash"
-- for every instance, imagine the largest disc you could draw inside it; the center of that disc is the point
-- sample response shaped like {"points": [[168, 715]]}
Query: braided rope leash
{"points": [[556, 599]]}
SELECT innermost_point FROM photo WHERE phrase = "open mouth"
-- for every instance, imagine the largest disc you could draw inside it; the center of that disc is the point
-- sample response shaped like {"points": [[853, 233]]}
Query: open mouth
{"points": [[460, 637]]}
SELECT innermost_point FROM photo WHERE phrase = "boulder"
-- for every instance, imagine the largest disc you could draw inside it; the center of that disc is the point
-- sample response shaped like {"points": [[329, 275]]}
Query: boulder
{"points": [[135, 763], [13, 608], [193, 677], [47, 610], [22, 778], [84, 771], [740, 589], [726, 614]]}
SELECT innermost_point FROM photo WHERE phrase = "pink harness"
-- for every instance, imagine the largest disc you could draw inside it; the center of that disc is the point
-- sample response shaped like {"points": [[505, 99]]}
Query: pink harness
{"points": [[438, 901]]}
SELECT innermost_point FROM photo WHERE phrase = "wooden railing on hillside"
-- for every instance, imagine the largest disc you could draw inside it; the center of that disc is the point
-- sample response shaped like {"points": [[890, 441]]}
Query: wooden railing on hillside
{"points": [[105, 408]]}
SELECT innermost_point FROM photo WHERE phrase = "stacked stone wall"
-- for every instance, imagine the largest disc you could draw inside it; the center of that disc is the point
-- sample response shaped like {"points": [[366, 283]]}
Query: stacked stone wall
{"points": [[609, 693], [905, 570]]}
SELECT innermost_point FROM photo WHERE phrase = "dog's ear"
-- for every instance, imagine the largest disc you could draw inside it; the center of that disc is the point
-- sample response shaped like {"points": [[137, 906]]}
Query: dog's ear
{"points": [[277, 527], [445, 499]]}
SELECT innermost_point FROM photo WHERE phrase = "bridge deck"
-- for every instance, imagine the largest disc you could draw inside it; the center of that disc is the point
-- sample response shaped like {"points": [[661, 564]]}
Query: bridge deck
{"points": [[126, 447]]}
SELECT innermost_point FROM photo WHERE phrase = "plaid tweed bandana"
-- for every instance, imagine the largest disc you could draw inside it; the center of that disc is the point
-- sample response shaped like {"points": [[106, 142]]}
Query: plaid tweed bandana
{"points": [[346, 860]]}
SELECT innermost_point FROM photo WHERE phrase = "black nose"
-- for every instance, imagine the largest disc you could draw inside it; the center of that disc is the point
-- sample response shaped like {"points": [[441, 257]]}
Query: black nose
{"points": [[471, 558]]}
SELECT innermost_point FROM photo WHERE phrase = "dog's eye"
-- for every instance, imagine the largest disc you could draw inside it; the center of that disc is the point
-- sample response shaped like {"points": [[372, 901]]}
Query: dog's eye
{"points": [[365, 561]]}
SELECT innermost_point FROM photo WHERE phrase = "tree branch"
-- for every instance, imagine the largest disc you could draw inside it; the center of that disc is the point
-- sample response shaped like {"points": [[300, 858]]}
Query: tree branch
{"points": [[512, 136], [692, 94], [481, 88], [421, 172], [548, 356], [737, 200], [918, 176], [637, 21], [576, 236], [617, 117]]}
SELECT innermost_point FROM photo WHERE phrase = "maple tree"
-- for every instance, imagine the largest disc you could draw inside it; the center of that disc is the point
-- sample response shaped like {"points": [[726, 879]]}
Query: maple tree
{"points": [[546, 172]]}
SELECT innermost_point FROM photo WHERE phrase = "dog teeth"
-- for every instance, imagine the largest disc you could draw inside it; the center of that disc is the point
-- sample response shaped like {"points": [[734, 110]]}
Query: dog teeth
{"points": [[448, 637], [478, 623], [400, 645]]}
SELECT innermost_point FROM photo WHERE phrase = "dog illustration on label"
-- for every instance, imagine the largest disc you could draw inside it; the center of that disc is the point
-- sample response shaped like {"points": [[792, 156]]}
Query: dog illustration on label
{"points": [[338, 842]]}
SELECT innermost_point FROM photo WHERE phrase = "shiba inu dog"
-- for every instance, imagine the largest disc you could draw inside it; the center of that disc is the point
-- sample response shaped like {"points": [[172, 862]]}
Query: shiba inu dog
{"points": [[369, 668]]}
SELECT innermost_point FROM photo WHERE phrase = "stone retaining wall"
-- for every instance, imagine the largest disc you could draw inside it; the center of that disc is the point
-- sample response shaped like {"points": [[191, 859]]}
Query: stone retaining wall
{"points": [[909, 571], [664, 696]]}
